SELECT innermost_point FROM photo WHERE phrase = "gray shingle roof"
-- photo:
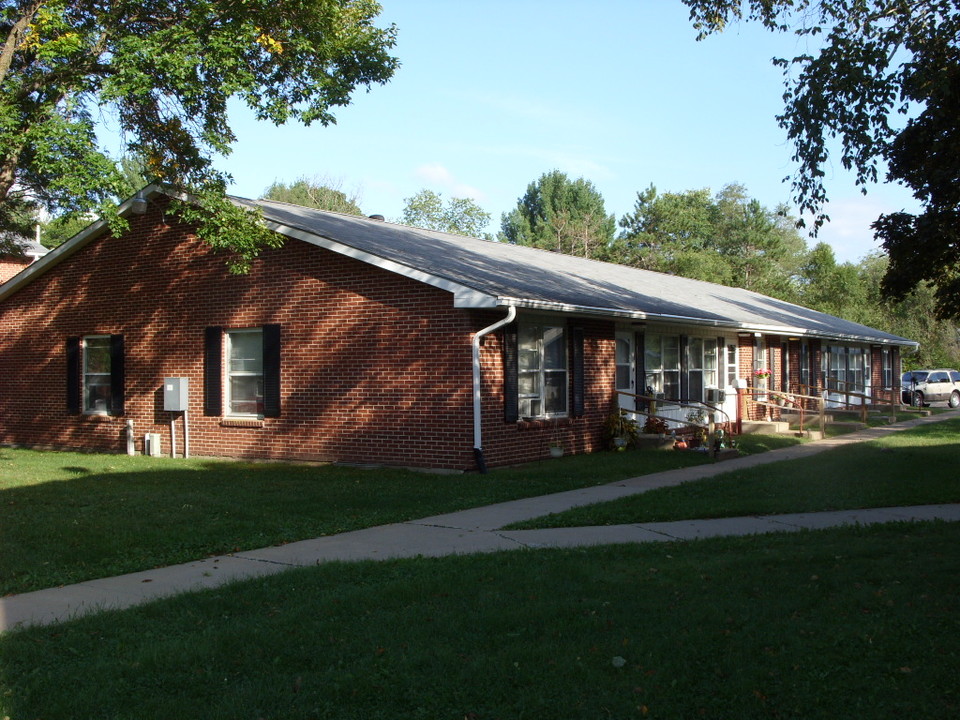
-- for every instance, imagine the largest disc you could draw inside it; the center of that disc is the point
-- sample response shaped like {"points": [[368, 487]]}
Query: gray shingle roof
{"points": [[485, 273]]}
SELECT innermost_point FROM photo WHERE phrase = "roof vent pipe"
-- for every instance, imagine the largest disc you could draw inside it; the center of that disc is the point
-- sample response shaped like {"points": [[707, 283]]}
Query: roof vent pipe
{"points": [[477, 408]]}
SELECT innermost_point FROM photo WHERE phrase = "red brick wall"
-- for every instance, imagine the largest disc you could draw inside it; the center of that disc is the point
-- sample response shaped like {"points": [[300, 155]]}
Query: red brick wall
{"points": [[376, 368], [517, 442], [10, 267]]}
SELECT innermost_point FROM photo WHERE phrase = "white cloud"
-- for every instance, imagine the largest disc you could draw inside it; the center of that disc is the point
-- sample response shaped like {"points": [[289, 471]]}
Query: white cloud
{"points": [[438, 178], [849, 231]]}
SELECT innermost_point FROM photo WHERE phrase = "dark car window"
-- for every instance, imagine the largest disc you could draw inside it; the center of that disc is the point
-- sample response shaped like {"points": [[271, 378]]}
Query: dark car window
{"points": [[912, 377], [938, 377], [955, 376]]}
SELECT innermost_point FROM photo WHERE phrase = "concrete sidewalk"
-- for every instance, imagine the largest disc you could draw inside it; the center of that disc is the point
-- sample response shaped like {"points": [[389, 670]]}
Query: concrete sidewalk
{"points": [[470, 531]]}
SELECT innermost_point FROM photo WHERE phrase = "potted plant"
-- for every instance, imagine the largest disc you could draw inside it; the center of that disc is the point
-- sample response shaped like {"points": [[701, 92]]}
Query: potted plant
{"points": [[620, 430], [699, 417], [656, 434]]}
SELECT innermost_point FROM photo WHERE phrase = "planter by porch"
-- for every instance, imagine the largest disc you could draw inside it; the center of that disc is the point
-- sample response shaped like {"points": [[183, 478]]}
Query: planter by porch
{"points": [[556, 451]]}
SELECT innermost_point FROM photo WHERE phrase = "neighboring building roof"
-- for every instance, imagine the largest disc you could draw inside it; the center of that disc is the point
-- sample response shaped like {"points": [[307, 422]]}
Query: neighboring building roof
{"points": [[489, 274], [30, 249]]}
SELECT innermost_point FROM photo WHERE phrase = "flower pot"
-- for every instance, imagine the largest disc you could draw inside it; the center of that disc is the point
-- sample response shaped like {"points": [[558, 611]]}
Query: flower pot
{"points": [[556, 451]]}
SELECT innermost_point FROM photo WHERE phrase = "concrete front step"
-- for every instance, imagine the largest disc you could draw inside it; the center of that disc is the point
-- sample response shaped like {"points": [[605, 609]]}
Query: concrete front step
{"points": [[764, 427]]}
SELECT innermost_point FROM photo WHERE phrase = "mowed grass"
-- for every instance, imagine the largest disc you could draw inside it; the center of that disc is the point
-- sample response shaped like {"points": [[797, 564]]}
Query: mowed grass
{"points": [[845, 623], [68, 517], [918, 466]]}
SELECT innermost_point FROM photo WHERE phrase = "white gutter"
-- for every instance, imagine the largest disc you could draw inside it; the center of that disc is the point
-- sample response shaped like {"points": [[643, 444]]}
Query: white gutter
{"points": [[477, 409]]}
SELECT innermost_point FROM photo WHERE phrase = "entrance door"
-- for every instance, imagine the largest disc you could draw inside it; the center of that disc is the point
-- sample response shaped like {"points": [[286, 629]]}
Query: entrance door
{"points": [[626, 369]]}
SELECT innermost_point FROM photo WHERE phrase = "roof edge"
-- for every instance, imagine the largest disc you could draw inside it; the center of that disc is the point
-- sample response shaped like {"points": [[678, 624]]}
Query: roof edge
{"points": [[893, 341]]}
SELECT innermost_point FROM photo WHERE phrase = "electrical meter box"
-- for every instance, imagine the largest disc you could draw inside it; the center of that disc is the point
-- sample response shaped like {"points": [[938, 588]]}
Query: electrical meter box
{"points": [[175, 394]]}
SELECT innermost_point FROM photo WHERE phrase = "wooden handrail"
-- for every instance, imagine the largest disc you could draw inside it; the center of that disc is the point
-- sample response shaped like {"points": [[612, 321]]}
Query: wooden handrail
{"points": [[821, 403]]}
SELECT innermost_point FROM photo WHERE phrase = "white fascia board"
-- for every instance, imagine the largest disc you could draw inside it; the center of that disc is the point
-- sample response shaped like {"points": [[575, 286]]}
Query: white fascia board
{"points": [[681, 319], [464, 296]]}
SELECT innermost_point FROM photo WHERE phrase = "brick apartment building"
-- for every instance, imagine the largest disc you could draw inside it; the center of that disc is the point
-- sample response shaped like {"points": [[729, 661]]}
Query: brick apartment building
{"points": [[368, 342]]}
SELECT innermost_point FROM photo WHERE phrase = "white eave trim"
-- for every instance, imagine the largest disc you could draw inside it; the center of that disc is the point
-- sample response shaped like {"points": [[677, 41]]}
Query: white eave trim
{"points": [[702, 322]]}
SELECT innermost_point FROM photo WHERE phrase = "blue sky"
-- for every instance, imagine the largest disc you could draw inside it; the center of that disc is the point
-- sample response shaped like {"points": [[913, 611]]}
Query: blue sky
{"points": [[491, 95]]}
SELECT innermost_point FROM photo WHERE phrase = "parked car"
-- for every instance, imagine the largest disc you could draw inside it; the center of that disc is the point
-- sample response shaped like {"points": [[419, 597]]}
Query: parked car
{"points": [[919, 387]]}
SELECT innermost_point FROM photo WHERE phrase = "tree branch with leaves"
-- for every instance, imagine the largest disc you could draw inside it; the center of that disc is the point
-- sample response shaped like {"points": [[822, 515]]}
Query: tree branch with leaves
{"points": [[163, 73], [882, 81]]}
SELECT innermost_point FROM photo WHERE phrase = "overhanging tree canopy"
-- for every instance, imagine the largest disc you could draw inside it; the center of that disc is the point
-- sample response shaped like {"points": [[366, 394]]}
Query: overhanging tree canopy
{"points": [[874, 60], [161, 72]]}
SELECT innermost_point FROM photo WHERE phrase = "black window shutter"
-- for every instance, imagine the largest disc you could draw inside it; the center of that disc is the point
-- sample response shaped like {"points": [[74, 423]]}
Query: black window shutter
{"points": [[640, 354], [271, 371], [213, 371], [511, 382], [684, 367], [117, 375], [576, 345], [73, 375]]}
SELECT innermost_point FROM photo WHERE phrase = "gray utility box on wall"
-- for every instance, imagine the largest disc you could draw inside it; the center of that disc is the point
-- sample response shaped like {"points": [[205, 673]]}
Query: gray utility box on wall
{"points": [[175, 394]]}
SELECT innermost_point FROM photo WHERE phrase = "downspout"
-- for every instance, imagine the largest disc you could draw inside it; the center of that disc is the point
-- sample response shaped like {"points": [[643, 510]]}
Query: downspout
{"points": [[477, 409]]}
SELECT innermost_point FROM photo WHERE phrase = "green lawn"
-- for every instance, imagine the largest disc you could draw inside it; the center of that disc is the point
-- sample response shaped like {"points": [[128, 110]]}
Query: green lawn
{"points": [[850, 622], [912, 467], [67, 517], [847, 623]]}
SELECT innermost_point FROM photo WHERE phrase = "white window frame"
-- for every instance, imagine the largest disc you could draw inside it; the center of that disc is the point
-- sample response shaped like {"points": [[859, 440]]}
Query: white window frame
{"points": [[101, 405], [847, 368], [235, 373], [702, 363], [886, 367], [539, 371], [731, 356], [655, 368]]}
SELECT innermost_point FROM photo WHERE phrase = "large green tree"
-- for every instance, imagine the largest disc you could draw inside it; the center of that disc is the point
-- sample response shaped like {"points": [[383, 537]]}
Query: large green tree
{"points": [[427, 210], [315, 193], [560, 214], [161, 72], [872, 61], [727, 238]]}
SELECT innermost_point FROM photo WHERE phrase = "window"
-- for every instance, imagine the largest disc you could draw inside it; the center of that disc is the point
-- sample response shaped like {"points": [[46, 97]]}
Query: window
{"points": [[761, 362], [245, 372], [624, 362], [805, 379], [886, 367], [541, 370], [95, 375], [732, 367], [846, 368], [248, 360], [661, 361], [702, 358]]}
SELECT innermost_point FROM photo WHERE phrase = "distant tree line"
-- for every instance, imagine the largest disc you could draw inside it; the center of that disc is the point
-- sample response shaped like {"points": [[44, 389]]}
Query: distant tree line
{"points": [[725, 237]]}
